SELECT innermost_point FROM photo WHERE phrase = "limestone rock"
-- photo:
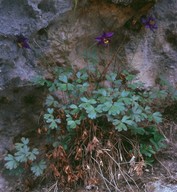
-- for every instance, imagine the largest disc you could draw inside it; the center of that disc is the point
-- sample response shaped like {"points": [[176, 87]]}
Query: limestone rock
{"points": [[58, 39], [24, 18], [154, 54]]}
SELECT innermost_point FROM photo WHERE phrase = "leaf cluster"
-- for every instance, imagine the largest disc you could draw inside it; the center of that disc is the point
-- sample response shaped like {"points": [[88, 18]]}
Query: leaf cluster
{"points": [[127, 107], [25, 155], [84, 116]]}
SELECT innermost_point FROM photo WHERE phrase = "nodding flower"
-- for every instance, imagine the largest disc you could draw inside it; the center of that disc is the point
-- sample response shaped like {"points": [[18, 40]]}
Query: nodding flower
{"points": [[22, 42], [105, 38], [149, 22]]}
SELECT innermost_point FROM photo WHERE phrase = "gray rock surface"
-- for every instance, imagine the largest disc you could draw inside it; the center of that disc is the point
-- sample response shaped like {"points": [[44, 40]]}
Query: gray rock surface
{"points": [[49, 33], [154, 54], [159, 186], [29, 16], [59, 39], [20, 102], [25, 18]]}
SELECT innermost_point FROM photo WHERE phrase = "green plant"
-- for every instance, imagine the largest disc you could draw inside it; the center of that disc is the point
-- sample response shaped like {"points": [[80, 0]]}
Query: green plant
{"points": [[121, 106], [88, 118], [96, 123], [24, 155]]}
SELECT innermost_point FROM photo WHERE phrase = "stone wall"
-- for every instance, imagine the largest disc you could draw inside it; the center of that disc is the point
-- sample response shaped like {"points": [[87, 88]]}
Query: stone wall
{"points": [[58, 36], [25, 18]]}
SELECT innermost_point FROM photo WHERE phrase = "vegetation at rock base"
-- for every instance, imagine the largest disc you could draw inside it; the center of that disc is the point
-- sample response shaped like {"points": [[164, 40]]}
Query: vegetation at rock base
{"points": [[99, 126], [94, 132]]}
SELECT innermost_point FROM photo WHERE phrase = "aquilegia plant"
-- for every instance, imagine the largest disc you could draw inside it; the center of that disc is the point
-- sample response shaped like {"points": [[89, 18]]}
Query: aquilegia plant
{"points": [[23, 42], [91, 127], [149, 22], [88, 118], [105, 38]]}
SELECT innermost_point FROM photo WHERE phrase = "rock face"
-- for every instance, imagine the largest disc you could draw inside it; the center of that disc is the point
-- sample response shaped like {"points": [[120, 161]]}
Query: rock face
{"points": [[165, 47], [21, 102], [154, 54], [27, 18], [60, 37]]}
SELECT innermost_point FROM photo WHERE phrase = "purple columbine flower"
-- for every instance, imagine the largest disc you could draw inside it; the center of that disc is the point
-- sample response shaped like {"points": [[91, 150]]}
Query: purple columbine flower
{"points": [[149, 22], [105, 38], [23, 42]]}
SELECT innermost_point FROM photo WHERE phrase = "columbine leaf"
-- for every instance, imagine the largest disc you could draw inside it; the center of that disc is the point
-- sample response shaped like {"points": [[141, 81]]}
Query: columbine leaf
{"points": [[115, 122], [31, 156], [22, 154], [127, 120], [63, 78], [70, 87], [99, 108], [136, 117], [92, 101], [146, 150], [75, 109], [21, 157], [143, 116], [58, 120], [49, 120], [53, 125], [52, 87], [125, 93], [50, 101], [73, 106], [157, 141], [71, 124], [103, 92], [12, 163], [135, 98], [107, 106], [39, 80], [84, 99], [35, 151], [111, 77], [62, 86], [92, 114], [50, 110], [121, 126], [148, 109], [126, 100], [120, 106], [81, 77], [18, 146], [89, 108], [157, 117], [138, 130], [39, 168], [48, 116], [24, 140], [114, 110], [136, 113]]}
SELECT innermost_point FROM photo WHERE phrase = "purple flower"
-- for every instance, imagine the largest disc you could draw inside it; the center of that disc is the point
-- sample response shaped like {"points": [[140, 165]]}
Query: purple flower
{"points": [[105, 38], [149, 22], [22, 42]]}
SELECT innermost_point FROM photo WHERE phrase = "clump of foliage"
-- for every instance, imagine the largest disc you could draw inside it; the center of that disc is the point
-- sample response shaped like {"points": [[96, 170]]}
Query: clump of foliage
{"points": [[26, 156], [96, 127]]}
